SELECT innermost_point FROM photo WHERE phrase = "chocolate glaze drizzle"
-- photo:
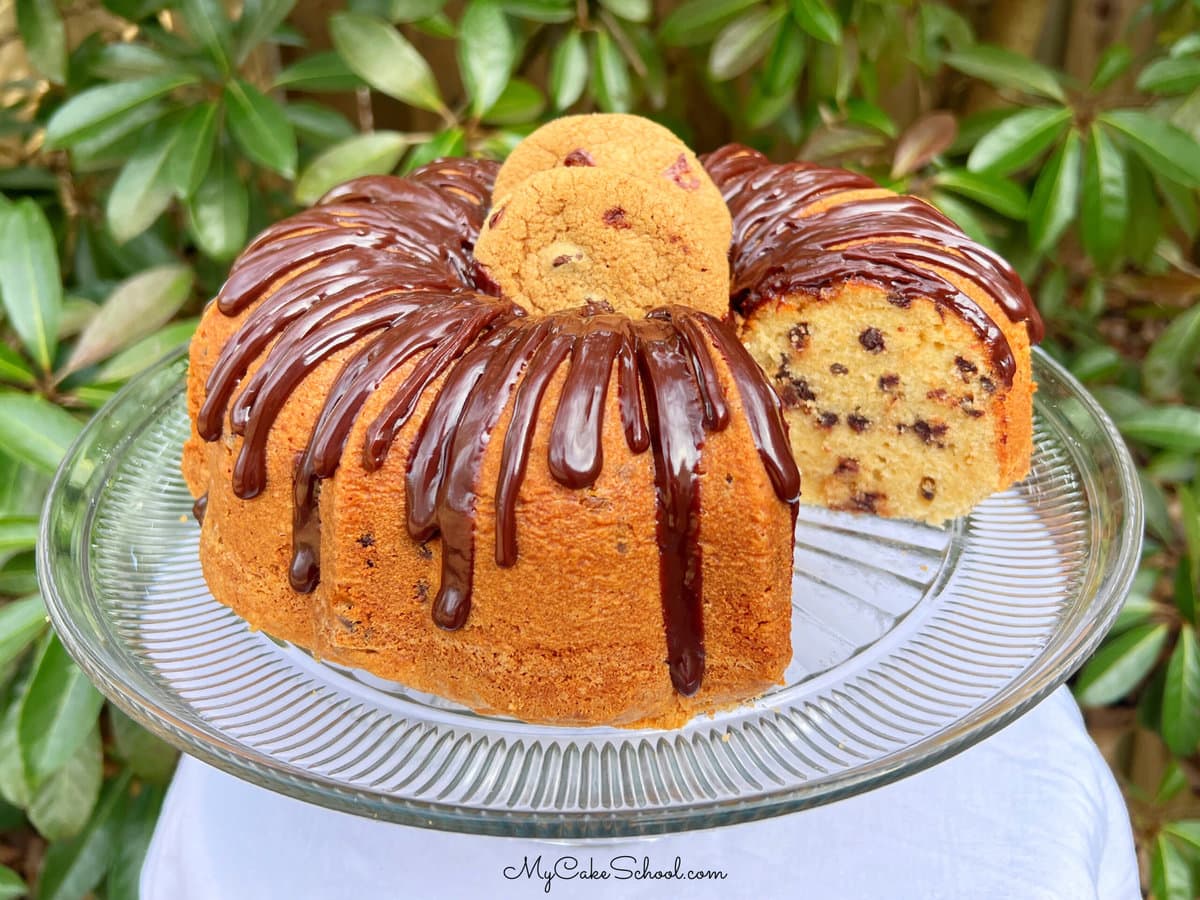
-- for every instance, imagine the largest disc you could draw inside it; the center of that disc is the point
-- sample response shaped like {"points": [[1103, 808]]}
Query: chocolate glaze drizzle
{"points": [[892, 241], [382, 267]]}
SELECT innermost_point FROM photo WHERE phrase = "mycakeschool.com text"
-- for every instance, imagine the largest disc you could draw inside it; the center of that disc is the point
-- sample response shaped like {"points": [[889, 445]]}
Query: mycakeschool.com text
{"points": [[546, 871]]}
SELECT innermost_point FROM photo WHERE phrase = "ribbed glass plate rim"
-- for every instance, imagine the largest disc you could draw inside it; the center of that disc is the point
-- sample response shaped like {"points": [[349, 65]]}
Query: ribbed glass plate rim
{"points": [[167, 715]]}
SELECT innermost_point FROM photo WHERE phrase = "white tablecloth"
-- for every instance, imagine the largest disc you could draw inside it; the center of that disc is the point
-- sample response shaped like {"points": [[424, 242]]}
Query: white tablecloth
{"points": [[1030, 813]]}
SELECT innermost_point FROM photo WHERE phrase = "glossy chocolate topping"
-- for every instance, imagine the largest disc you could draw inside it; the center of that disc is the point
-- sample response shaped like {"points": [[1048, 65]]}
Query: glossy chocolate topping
{"points": [[895, 241], [382, 268]]}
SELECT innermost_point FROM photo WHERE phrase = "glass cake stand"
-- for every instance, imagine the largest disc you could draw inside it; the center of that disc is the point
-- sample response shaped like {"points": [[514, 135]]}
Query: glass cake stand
{"points": [[911, 644]]}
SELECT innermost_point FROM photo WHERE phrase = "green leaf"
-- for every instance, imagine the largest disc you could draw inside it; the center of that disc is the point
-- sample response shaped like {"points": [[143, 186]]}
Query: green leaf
{"points": [[62, 805], [21, 622], [1182, 203], [209, 24], [743, 42], [1166, 149], [137, 307], [1173, 427], [1006, 69], [14, 786], [1181, 695], [698, 21], [1018, 140], [11, 884], [521, 102], [611, 83], [260, 127], [629, 10], [17, 533], [552, 11], [146, 756], [1105, 213], [487, 52], [451, 142], [73, 868], [219, 211], [1189, 513], [147, 351], [112, 146], [45, 38], [59, 710], [1187, 830], [385, 60], [568, 70], [135, 10], [16, 369], [18, 578], [815, 17], [1055, 200], [1173, 75], [30, 281], [133, 839], [992, 191], [121, 62], [413, 10], [192, 149], [259, 19], [319, 72], [1172, 356], [367, 154], [1120, 665], [142, 191], [35, 431], [319, 125], [1112, 64], [1170, 873], [964, 215], [780, 72]]}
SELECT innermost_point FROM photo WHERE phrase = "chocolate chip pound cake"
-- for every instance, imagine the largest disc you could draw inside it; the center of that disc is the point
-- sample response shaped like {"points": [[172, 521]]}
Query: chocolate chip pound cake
{"points": [[900, 348]]}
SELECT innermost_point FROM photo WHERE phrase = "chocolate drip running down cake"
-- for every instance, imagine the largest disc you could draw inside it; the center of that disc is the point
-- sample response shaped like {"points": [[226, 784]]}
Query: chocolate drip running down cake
{"points": [[510, 450]]}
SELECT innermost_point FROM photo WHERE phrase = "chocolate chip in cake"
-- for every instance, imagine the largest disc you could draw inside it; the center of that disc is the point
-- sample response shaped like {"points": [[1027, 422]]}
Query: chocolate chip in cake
{"points": [[578, 157], [798, 336], [828, 419], [967, 405], [622, 548], [987, 384], [795, 392], [889, 383], [867, 502], [930, 433], [928, 487], [966, 368], [616, 218], [858, 424], [370, 563], [872, 340], [496, 216], [838, 369], [561, 260], [937, 394], [366, 540], [347, 624], [847, 465], [424, 551], [729, 479], [421, 593]]}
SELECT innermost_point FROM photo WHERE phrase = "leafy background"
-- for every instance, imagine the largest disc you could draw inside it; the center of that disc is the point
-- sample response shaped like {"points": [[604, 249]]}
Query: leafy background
{"points": [[143, 141]]}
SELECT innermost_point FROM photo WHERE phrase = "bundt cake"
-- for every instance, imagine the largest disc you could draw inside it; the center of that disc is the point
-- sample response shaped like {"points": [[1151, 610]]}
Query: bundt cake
{"points": [[554, 511], [510, 450]]}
